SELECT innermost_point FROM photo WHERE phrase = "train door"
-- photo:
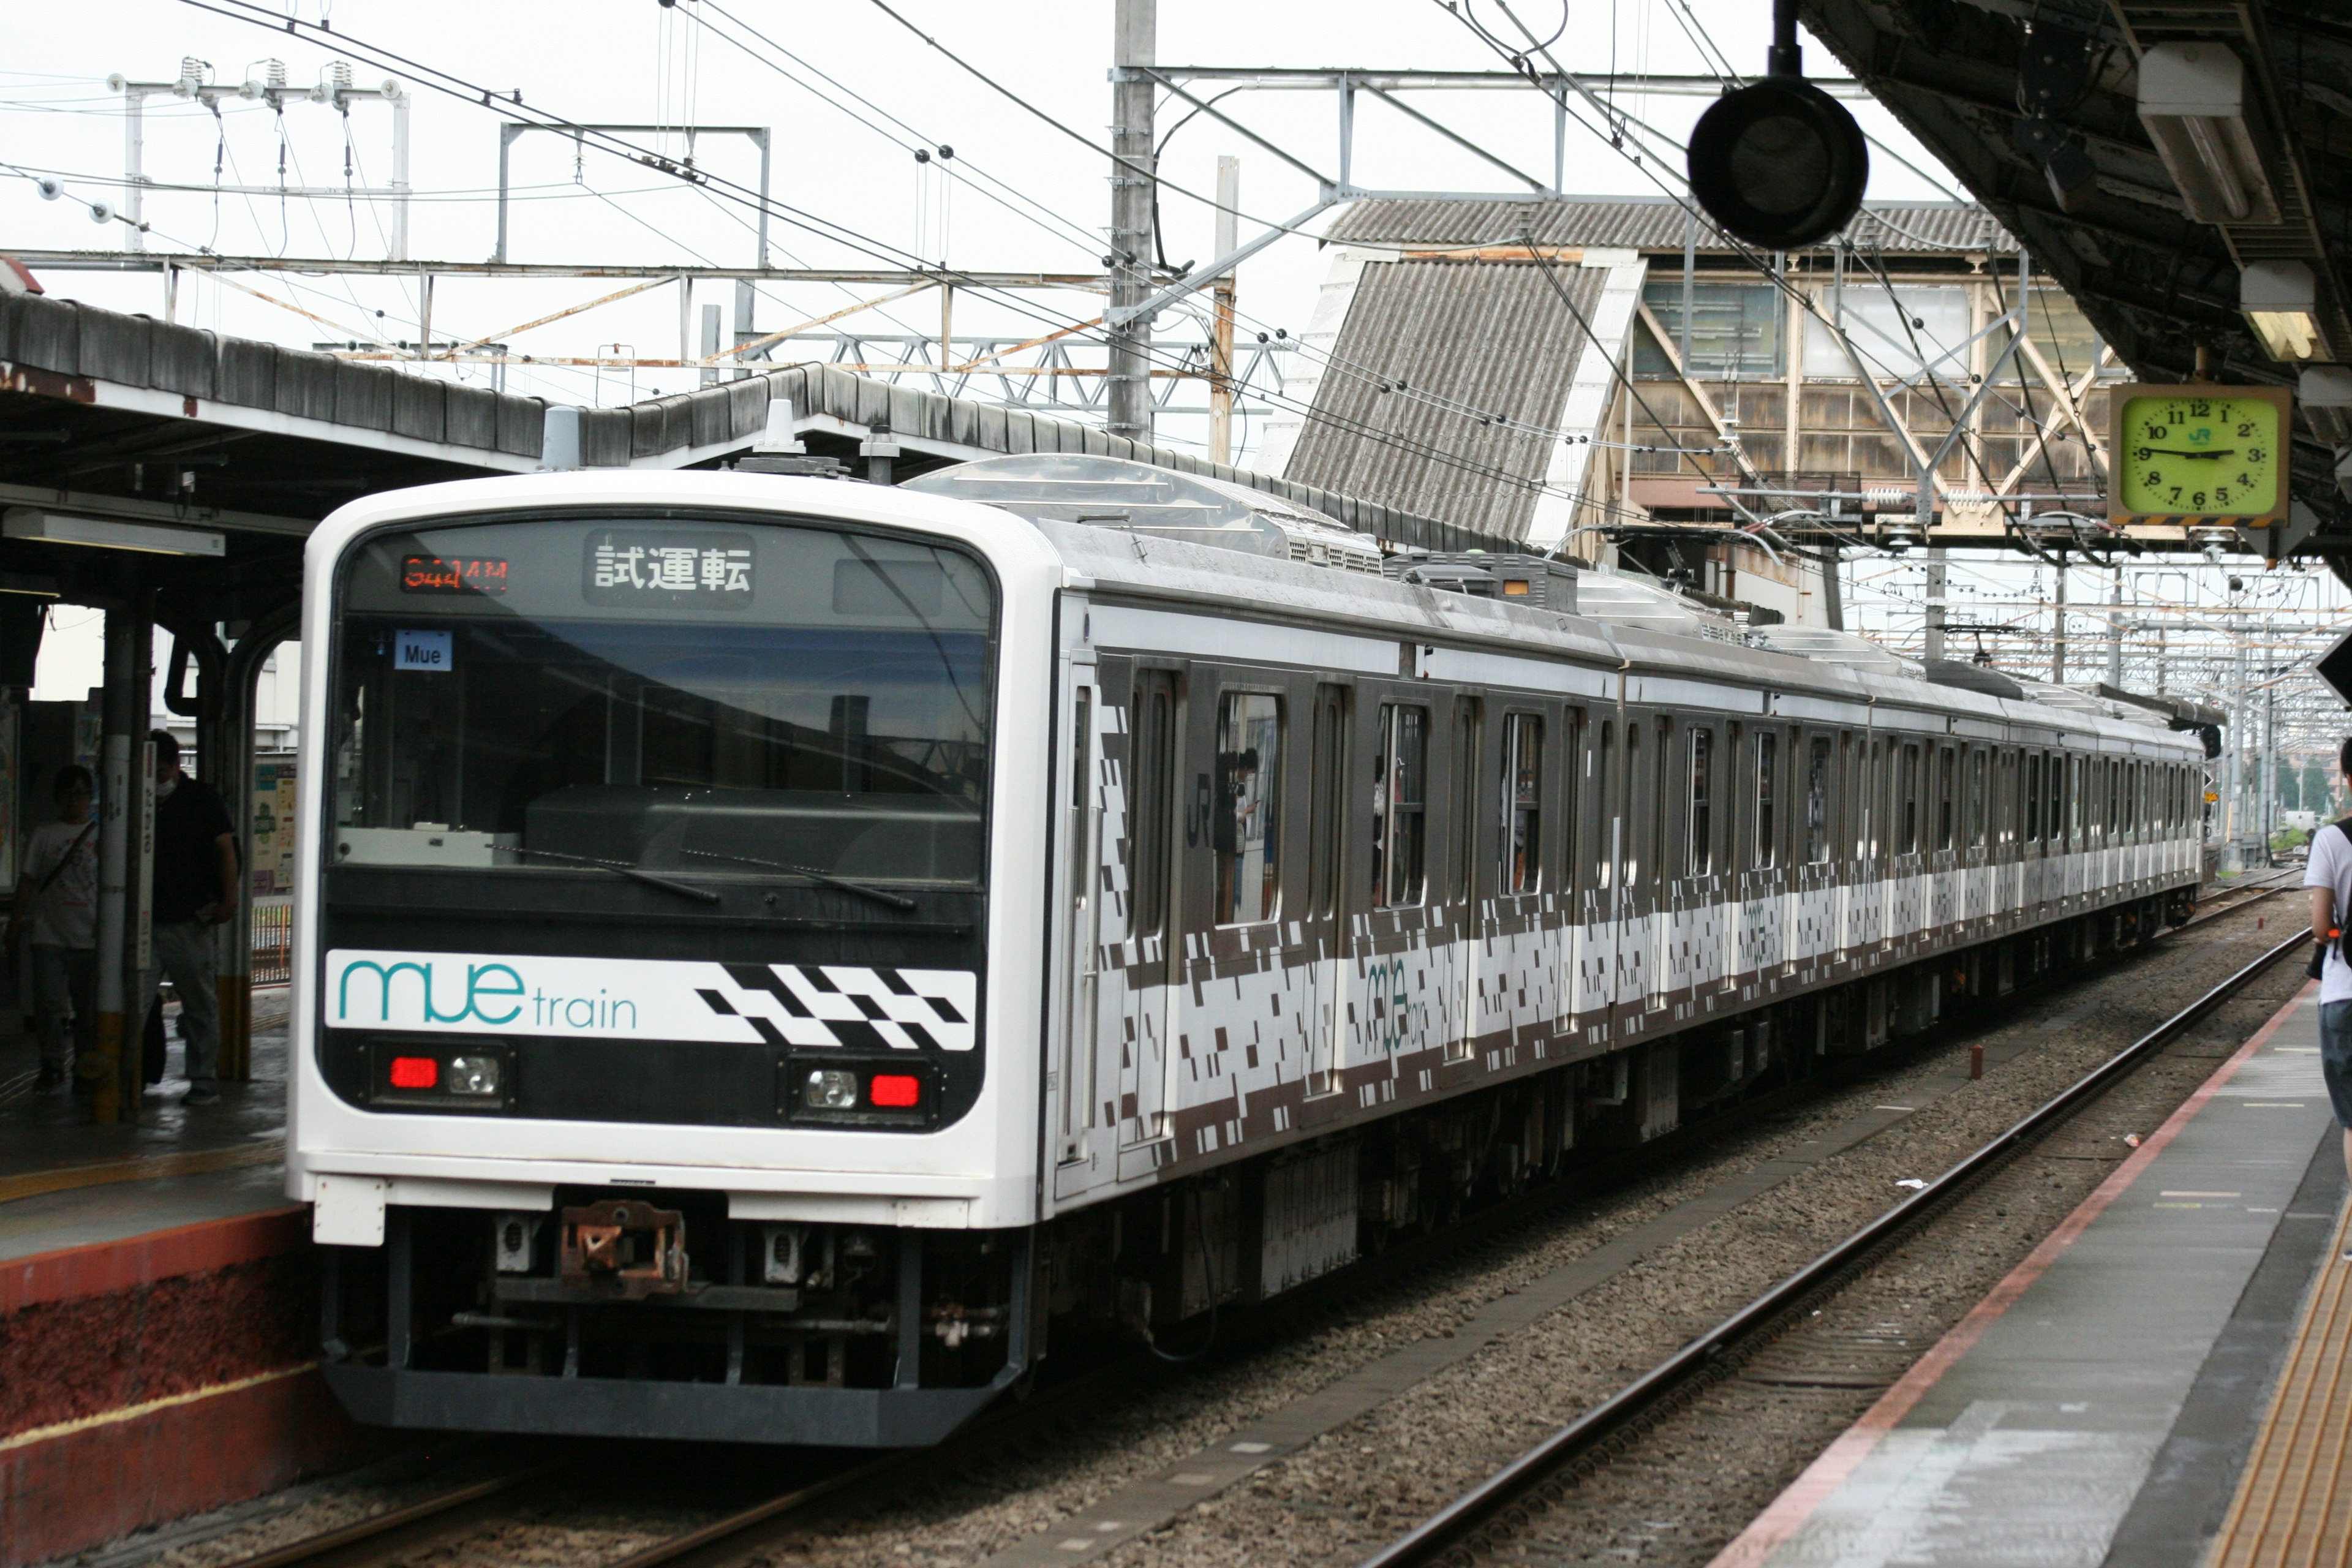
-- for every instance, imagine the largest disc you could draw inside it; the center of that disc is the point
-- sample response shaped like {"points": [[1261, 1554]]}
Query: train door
{"points": [[1693, 936], [1816, 888], [1594, 988], [1642, 806], [1324, 926], [1148, 866], [1244, 1003], [1514, 967], [1390, 980], [1078, 912], [1466, 929], [1761, 876]]}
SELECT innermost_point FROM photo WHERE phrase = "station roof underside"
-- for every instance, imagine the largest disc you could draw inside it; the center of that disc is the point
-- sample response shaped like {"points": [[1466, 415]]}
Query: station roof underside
{"points": [[2154, 283], [103, 414]]}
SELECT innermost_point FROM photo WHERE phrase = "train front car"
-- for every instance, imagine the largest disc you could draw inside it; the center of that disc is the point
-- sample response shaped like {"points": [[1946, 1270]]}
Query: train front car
{"points": [[666, 1066]]}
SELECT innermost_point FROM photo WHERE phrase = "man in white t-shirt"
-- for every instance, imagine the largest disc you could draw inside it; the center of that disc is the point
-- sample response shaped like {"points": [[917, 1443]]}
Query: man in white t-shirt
{"points": [[2329, 877], [58, 895]]}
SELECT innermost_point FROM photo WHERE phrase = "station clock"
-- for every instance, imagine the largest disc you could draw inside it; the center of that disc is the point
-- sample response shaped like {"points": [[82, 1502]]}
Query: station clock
{"points": [[2199, 456]]}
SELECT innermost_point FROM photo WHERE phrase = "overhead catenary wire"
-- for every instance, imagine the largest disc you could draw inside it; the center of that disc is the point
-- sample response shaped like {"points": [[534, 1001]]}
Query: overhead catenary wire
{"points": [[456, 87]]}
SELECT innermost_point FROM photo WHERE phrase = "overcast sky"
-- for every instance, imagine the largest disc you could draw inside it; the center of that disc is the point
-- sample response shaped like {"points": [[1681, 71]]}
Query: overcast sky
{"points": [[637, 61]]}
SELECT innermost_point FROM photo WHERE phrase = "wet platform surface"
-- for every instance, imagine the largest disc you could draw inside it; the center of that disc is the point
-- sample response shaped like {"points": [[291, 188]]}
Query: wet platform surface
{"points": [[2102, 1405], [67, 1183]]}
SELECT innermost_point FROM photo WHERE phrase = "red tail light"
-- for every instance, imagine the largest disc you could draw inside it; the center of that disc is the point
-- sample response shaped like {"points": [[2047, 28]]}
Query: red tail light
{"points": [[415, 1072], [895, 1089]]}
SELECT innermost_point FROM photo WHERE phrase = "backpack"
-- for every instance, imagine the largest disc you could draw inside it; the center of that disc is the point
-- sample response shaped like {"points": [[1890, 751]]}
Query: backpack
{"points": [[2322, 941]]}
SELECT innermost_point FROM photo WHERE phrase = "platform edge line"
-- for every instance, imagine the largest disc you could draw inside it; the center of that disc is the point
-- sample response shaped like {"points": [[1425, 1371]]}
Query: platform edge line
{"points": [[148, 1408], [1788, 1513]]}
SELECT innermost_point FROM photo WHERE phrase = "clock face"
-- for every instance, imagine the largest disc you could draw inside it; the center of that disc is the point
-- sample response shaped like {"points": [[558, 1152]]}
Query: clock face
{"points": [[2197, 452]]}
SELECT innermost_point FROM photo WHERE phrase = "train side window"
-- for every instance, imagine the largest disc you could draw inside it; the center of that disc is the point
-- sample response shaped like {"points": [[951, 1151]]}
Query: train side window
{"points": [[1977, 792], [1573, 763], [2033, 798], [1245, 832], [1328, 772], [1907, 842], [1150, 831], [1874, 805], [1632, 818], [1943, 797], [1401, 808], [1519, 866], [1662, 795], [1767, 822], [1701, 824], [1465, 802], [1604, 805], [1817, 801]]}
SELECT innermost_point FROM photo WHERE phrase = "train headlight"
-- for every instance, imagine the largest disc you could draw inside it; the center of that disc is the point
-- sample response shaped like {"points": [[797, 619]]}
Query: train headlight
{"points": [[473, 1074], [829, 1089]]}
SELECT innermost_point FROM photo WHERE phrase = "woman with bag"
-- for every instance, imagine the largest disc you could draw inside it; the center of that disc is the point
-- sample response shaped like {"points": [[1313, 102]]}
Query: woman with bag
{"points": [[57, 912]]}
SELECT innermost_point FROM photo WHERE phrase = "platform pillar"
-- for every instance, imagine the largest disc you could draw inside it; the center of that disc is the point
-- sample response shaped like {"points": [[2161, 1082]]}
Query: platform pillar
{"points": [[125, 840], [229, 740]]}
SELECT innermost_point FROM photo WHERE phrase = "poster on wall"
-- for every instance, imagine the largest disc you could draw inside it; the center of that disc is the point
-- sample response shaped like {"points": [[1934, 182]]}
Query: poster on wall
{"points": [[273, 826]]}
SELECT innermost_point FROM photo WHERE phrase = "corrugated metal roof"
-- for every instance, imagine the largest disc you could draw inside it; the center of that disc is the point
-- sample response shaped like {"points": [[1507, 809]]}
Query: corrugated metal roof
{"points": [[62, 340], [1651, 223], [67, 338], [1431, 354], [855, 400]]}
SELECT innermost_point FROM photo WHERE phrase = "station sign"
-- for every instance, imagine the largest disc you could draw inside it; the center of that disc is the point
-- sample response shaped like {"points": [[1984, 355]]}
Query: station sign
{"points": [[2199, 456]]}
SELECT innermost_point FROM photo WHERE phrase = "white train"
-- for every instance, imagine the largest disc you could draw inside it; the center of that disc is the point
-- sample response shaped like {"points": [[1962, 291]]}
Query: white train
{"points": [[776, 947]]}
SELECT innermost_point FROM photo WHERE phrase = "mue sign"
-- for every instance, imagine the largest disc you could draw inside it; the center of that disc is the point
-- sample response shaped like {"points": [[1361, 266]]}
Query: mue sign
{"points": [[453, 574]]}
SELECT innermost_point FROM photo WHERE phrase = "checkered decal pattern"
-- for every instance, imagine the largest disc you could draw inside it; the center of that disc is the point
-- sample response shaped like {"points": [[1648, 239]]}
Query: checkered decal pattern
{"points": [[849, 1005]]}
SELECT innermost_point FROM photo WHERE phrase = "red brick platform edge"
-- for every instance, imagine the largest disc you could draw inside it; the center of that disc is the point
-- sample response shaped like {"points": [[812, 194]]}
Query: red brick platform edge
{"points": [[107, 1267], [64, 1490]]}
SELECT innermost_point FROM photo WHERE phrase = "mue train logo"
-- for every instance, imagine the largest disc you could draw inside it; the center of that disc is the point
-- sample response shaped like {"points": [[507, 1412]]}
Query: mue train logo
{"points": [[625, 998]]}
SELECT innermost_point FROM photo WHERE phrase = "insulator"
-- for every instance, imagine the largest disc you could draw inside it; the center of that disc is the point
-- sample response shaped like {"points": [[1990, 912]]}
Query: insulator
{"points": [[339, 73], [192, 69], [276, 72]]}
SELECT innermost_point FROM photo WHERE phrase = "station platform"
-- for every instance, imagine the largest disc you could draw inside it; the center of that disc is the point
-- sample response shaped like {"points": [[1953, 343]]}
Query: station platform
{"points": [[2166, 1382], [158, 1308]]}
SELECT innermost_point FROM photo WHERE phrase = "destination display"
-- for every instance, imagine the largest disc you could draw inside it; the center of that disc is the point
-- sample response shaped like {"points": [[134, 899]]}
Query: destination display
{"points": [[672, 568], [453, 574]]}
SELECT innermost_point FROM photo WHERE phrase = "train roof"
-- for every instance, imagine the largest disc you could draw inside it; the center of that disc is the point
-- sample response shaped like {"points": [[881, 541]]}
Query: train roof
{"points": [[1628, 634]]}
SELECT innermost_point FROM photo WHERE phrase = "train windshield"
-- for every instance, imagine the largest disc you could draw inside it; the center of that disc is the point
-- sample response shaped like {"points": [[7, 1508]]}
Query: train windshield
{"points": [[688, 694]]}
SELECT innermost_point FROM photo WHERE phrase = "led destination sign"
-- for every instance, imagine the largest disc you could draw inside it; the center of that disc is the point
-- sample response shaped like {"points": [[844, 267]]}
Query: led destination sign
{"points": [[453, 574]]}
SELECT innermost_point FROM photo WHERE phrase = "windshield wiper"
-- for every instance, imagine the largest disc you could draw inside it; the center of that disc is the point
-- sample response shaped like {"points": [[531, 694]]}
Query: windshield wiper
{"points": [[824, 879], [699, 895]]}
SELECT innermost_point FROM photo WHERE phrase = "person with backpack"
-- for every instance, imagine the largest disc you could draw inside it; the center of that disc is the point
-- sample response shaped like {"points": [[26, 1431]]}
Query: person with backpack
{"points": [[57, 912], [2328, 874]]}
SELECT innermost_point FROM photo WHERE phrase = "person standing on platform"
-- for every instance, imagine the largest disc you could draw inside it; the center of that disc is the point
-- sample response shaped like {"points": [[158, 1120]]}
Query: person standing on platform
{"points": [[2329, 877], [56, 913], [195, 892]]}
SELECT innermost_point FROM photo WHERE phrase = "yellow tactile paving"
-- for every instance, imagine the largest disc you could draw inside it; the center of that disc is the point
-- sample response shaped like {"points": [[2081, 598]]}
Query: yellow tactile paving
{"points": [[2294, 1507]]}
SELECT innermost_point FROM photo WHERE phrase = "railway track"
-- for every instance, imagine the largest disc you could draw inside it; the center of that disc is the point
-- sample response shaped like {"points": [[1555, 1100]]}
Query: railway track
{"points": [[442, 1522], [1458, 1533]]}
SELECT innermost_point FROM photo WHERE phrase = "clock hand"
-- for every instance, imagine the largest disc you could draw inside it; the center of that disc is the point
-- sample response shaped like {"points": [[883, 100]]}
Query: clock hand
{"points": [[2172, 452]]}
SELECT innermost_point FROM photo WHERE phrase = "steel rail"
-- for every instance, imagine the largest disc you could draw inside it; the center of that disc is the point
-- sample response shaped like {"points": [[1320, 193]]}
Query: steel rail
{"points": [[1460, 1520], [401, 1531]]}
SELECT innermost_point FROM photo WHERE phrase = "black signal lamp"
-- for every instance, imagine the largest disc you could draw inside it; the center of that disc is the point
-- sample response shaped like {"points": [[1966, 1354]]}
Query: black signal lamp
{"points": [[1779, 163]]}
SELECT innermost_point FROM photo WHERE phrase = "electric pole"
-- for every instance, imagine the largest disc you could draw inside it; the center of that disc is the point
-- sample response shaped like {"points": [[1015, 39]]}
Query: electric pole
{"points": [[1220, 339], [2115, 631], [1934, 641], [2058, 643], [1134, 28]]}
